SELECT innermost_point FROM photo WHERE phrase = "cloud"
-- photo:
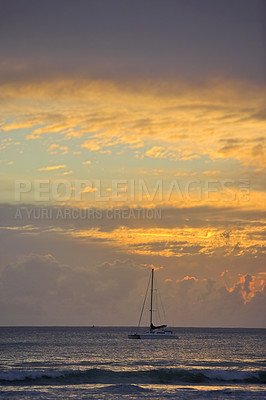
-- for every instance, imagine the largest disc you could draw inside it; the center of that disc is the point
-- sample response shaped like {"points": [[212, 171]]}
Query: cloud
{"points": [[64, 128], [91, 145], [177, 242], [54, 148], [66, 173], [86, 162], [188, 278], [37, 289], [169, 153], [176, 233], [249, 286], [89, 189], [156, 152], [213, 271], [208, 302], [211, 173], [18, 125], [52, 167], [166, 120]]}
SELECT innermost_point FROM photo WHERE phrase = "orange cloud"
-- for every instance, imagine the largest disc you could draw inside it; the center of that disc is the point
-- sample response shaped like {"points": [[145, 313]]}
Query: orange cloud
{"points": [[156, 152], [248, 286], [152, 266], [54, 148], [179, 242], [218, 120], [91, 145], [89, 189], [67, 173], [52, 167], [19, 125], [211, 173]]}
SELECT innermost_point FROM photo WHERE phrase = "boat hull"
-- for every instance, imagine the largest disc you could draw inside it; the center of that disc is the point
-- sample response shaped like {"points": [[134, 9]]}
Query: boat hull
{"points": [[151, 335]]}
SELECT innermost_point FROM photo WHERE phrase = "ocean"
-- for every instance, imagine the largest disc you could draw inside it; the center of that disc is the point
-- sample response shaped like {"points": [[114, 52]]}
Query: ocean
{"points": [[102, 363]]}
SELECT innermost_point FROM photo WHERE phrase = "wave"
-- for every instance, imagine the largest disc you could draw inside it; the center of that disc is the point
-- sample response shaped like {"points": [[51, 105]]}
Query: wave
{"points": [[126, 389], [150, 376]]}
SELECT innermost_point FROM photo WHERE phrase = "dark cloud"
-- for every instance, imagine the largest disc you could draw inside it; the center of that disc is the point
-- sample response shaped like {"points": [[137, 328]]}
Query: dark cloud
{"points": [[41, 217], [37, 289], [208, 302], [184, 39], [260, 115], [234, 232], [96, 281]]}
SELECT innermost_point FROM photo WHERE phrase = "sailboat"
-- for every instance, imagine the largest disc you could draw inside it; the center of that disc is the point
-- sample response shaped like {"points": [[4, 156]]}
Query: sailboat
{"points": [[154, 332]]}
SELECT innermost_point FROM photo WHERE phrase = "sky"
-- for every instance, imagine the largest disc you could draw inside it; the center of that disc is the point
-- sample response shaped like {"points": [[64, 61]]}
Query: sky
{"points": [[132, 137]]}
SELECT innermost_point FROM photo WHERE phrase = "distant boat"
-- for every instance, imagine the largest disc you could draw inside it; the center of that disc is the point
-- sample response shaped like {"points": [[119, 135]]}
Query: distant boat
{"points": [[154, 332]]}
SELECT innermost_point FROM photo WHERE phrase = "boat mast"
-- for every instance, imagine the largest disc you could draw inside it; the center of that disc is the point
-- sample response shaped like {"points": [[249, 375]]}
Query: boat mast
{"points": [[151, 296]]}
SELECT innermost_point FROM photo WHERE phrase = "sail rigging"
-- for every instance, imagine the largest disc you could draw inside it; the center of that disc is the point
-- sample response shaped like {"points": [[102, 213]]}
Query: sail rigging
{"points": [[155, 331]]}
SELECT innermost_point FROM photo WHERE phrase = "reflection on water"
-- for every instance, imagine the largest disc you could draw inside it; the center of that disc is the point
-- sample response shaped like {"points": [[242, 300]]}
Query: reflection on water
{"points": [[78, 362]]}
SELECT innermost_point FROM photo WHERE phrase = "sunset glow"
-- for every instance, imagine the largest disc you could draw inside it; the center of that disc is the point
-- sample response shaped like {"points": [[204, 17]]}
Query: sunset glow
{"points": [[121, 117]]}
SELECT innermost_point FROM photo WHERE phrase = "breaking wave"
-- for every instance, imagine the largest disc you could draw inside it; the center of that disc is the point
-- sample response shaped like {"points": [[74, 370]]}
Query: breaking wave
{"points": [[151, 376]]}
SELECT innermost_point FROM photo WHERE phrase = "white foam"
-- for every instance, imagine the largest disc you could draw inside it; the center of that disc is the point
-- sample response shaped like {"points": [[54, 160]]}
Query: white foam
{"points": [[230, 375], [23, 375]]}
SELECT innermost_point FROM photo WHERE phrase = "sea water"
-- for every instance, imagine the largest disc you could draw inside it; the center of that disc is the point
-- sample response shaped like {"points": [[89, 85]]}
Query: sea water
{"points": [[102, 363]]}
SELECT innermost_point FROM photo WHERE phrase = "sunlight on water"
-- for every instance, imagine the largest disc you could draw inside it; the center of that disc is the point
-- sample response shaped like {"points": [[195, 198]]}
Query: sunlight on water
{"points": [[47, 363]]}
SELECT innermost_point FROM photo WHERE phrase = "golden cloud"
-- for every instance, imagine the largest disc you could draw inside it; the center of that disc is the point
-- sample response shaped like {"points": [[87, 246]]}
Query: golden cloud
{"points": [[91, 145], [179, 242], [67, 173], [175, 121], [52, 167], [89, 189], [157, 152], [54, 148]]}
